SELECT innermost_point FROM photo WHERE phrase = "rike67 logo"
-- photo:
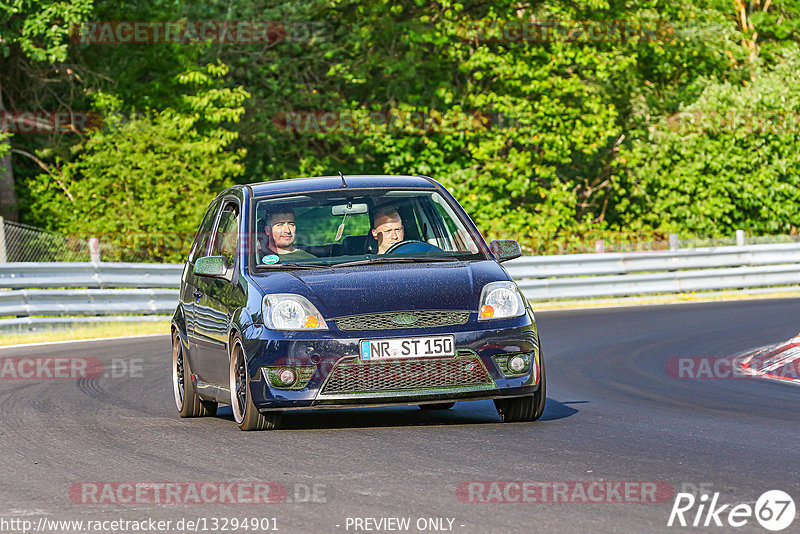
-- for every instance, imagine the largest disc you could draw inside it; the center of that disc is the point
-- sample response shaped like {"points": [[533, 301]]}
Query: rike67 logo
{"points": [[774, 510]]}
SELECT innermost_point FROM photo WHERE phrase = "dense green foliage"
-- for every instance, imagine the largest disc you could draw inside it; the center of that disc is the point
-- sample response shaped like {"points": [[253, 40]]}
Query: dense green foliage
{"points": [[134, 167], [729, 160], [627, 119]]}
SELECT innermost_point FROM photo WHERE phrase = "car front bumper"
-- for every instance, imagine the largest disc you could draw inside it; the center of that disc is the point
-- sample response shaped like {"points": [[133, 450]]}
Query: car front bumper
{"points": [[333, 376]]}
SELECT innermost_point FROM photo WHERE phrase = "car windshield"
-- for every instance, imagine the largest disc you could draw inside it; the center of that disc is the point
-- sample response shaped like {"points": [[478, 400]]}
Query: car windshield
{"points": [[359, 226]]}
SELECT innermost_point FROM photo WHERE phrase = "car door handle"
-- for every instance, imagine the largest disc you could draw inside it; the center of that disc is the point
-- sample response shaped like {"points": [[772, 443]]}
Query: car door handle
{"points": [[197, 294]]}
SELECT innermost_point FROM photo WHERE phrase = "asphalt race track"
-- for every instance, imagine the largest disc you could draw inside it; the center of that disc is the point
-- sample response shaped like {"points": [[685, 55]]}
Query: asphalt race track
{"points": [[614, 413]]}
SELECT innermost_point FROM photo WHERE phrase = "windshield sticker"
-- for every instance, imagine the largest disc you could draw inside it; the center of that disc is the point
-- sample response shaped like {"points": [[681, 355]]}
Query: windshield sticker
{"points": [[271, 258]]}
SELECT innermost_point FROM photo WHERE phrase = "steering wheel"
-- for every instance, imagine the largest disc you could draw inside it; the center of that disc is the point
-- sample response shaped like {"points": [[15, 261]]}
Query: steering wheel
{"points": [[412, 246]]}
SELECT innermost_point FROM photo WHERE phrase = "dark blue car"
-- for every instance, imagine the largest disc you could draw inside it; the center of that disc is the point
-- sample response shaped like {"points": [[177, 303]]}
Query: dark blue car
{"points": [[350, 291]]}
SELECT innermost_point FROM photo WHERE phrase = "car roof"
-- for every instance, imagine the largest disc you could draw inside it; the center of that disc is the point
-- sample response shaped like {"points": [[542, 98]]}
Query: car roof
{"points": [[327, 183]]}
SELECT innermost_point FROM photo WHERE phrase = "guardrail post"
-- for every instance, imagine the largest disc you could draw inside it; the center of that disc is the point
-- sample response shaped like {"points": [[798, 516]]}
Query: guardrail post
{"points": [[600, 246], [673, 242], [94, 249], [3, 257], [739, 238]]}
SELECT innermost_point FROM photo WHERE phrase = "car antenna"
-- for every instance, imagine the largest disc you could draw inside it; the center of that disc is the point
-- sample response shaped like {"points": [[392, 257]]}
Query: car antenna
{"points": [[344, 184]]}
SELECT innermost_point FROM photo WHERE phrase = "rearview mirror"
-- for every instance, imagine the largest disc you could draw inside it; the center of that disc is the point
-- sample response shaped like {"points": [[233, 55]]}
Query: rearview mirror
{"points": [[349, 208], [505, 249], [213, 266]]}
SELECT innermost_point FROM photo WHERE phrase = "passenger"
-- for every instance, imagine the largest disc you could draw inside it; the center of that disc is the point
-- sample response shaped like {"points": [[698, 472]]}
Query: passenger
{"points": [[388, 228], [281, 233]]}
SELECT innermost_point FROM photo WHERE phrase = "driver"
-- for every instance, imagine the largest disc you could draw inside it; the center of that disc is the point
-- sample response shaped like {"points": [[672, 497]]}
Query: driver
{"points": [[281, 231], [388, 228]]}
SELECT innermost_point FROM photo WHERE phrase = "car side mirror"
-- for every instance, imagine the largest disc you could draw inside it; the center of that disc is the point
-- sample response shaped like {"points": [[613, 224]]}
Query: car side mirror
{"points": [[505, 249], [214, 266]]}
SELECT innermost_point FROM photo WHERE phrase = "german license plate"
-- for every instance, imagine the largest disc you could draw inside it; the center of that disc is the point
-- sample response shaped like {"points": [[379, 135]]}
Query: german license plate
{"points": [[407, 347]]}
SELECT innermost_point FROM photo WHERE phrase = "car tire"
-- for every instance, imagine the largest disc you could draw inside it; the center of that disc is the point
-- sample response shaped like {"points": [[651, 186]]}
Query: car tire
{"points": [[524, 409], [187, 400], [437, 406], [245, 412]]}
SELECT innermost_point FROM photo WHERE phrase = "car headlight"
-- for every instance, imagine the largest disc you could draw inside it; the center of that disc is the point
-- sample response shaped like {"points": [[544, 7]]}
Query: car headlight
{"points": [[291, 312], [500, 300]]}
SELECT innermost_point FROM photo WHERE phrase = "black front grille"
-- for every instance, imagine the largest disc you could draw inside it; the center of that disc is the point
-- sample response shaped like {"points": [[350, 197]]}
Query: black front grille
{"points": [[355, 376], [396, 320]]}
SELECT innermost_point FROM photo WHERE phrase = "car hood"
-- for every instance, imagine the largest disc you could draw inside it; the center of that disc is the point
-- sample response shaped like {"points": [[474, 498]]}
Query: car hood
{"points": [[387, 287]]}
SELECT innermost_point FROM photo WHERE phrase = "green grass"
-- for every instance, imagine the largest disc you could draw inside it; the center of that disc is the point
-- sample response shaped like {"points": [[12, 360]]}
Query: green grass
{"points": [[93, 331]]}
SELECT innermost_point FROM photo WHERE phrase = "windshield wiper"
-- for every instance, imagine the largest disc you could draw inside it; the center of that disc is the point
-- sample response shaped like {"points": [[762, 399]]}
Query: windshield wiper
{"points": [[391, 259], [292, 266]]}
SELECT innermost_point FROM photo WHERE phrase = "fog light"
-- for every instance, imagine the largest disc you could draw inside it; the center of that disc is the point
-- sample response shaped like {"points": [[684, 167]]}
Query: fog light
{"points": [[287, 377], [517, 363]]}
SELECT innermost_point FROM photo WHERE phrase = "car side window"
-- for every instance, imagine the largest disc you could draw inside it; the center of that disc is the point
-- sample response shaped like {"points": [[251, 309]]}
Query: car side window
{"points": [[226, 236], [203, 236], [456, 236]]}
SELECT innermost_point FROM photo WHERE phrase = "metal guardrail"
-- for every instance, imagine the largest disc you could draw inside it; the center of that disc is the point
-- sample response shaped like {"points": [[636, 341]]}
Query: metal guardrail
{"points": [[87, 301], [91, 275], [637, 262], [578, 276], [52, 294], [34, 294]]}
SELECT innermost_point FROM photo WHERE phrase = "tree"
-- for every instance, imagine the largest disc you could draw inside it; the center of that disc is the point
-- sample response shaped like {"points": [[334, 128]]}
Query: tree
{"points": [[550, 121], [137, 165], [35, 33], [729, 161]]}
